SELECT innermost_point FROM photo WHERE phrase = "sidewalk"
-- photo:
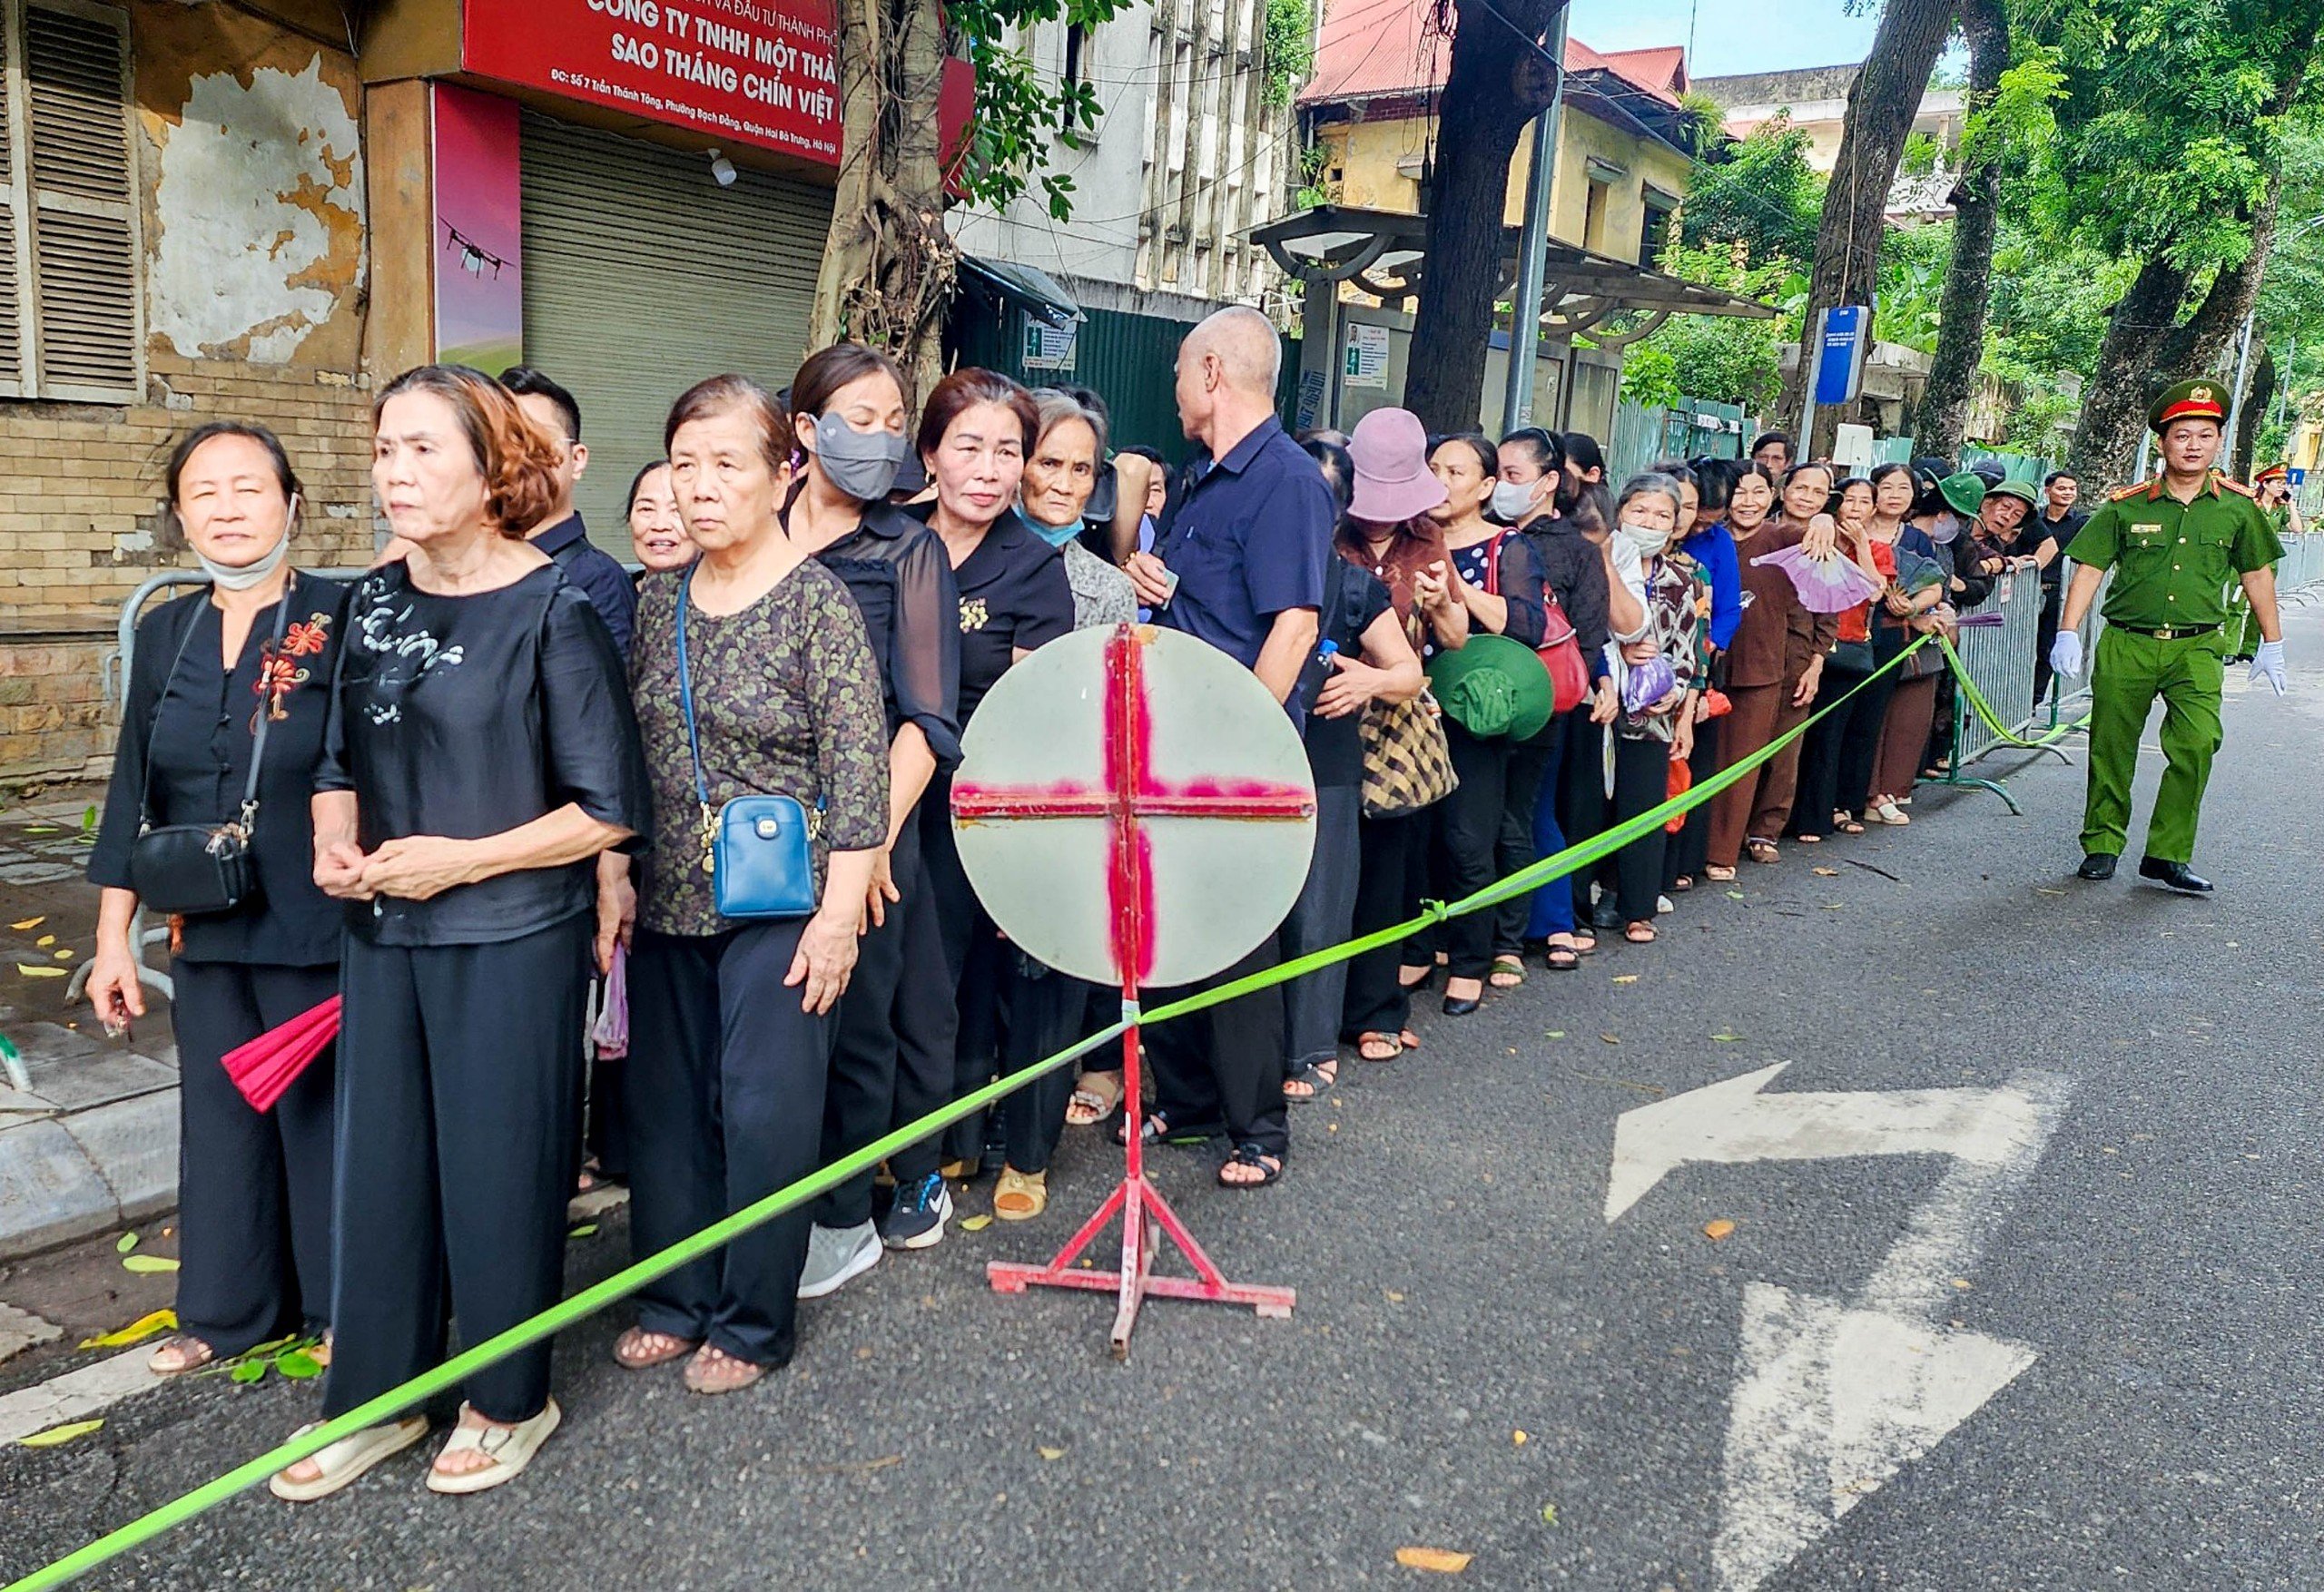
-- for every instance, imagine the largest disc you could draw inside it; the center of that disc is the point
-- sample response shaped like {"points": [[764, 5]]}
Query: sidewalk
{"points": [[88, 1125]]}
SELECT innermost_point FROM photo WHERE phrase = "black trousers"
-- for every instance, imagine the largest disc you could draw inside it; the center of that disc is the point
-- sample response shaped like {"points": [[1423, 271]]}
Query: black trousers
{"points": [[1685, 852], [2045, 633], [1529, 761], [1319, 918], [725, 1106], [1041, 1011], [1581, 796], [459, 1095], [1226, 1063], [254, 1189], [1813, 803], [605, 1130], [1641, 782], [1465, 844], [892, 1062], [1391, 854]]}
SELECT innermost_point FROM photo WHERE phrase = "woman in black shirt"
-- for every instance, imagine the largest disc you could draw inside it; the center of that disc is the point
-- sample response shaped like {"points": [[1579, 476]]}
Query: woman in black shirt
{"points": [[892, 1062], [974, 435], [254, 1190], [481, 755]]}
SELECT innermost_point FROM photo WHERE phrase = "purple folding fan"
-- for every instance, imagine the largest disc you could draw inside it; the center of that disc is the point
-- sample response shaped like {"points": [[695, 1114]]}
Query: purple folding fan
{"points": [[1832, 585]]}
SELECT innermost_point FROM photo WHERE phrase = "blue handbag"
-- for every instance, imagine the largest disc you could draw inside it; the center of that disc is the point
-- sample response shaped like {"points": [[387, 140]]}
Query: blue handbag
{"points": [[759, 851]]}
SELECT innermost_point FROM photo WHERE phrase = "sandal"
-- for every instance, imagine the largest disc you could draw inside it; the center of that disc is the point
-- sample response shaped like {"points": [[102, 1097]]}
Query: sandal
{"points": [[1269, 1167], [1312, 1078], [1886, 811], [344, 1461], [1562, 958], [1392, 1045], [1718, 874], [712, 1371], [640, 1350], [1761, 851], [179, 1354], [1508, 973], [1096, 1097], [1584, 941], [1639, 933], [1158, 1131], [1846, 824], [1408, 1039], [1807, 838], [1019, 1196], [1415, 986], [509, 1448], [1681, 883]]}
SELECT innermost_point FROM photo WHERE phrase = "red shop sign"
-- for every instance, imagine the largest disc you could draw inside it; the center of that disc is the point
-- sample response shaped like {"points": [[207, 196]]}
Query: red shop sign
{"points": [[756, 72]]}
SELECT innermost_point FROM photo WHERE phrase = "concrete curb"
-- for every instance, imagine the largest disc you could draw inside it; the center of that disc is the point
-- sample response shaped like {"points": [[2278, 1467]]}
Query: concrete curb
{"points": [[80, 1172]]}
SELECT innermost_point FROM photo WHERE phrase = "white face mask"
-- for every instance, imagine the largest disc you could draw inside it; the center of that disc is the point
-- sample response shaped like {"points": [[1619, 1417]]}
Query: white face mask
{"points": [[1510, 502], [231, 579], [1649, 540]]}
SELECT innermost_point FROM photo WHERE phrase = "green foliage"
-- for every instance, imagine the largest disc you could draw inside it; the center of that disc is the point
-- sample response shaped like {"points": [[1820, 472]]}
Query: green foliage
{"points": [[1911, 285], [1311, 189], [1701, 122], [1720, 358], [1760, 193], [1922, 156], [2035, 422], [1021, 115], [1287, 49]]}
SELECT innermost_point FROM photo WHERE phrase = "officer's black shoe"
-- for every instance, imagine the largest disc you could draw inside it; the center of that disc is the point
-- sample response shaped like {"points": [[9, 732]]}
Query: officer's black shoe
{"points": [[2098, 865], [2177, 875]]}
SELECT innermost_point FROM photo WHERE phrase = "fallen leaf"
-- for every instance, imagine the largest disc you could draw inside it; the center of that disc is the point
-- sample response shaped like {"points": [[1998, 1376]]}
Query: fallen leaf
{"points": [[586, 1230], [1716, 1230], [297, 1365], [124, 1243], [1610, 1039], [1826, 872], [1517, 1437], [40, 829], [1735, 894], [1393, 1297], [2045, 891], [40, 972], [1728, 1038], [1554, 1034], [1834, 906], [250, 1370], [136, 1331], [1050, 1453], [1549, 1514], [29, 923], [1443, 1560], [46, 939], [148, 1263], [1624, 977], [60, 1434], [975, 1223], [1962, 1282], [63, 955]]}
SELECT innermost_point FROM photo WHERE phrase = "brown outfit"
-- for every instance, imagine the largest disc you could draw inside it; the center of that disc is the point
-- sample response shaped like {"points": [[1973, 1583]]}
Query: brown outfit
{"points": [[1771, 650], [1904, 739]]}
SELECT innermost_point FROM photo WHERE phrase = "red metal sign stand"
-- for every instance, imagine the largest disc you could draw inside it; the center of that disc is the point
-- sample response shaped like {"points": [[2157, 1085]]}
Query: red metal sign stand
{"points": [[1130, 792]]}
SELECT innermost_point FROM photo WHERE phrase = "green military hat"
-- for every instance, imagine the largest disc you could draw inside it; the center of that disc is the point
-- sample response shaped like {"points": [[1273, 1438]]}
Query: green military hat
{"points": [[2021, 490], [1493, 685], [1964, 491], [2200, 399]]}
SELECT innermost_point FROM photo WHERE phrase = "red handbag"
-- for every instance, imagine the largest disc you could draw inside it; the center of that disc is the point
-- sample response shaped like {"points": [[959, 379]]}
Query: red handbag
{"points": [[1560, 650]]}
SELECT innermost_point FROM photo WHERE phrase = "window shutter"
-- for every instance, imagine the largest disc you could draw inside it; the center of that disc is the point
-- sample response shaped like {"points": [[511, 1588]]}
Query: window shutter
{"points": [[84, 266], [11, 333]]}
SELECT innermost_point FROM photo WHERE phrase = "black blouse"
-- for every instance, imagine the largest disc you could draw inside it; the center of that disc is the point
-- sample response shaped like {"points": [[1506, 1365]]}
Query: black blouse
{"points": [[1518, 581], [1013, 593], [467, 716], [203, 718], [1353, 598], [897, 571]]}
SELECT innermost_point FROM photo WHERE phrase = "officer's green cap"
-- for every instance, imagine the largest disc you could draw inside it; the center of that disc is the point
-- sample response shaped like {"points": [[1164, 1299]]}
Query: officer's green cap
{"points": [[2200, 399]]}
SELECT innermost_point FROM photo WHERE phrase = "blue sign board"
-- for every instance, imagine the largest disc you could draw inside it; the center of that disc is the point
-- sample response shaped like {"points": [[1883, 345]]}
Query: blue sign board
{"points": [[2298, 476], [1840, 351]]}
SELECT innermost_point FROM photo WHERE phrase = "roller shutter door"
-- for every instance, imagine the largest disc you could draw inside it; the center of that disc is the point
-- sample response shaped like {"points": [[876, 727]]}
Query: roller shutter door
{"points": [[643, 276]]}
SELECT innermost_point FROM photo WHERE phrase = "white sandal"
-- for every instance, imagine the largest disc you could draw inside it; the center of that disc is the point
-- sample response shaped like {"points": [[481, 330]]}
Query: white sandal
{"points": [[1887, 813], [347, 1459], [509, 1447]]}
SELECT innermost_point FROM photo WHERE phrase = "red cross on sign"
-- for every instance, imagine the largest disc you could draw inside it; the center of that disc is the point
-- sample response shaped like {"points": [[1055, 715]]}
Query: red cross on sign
{"points": [[1134, 808]]}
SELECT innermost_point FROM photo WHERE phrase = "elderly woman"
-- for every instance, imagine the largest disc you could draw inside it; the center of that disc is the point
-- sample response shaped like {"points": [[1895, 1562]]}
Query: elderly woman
{"points": [[974, 433], [1656, 727], [752, 678], [227, 701], [657, 533], [481, 754], [1775, 663], [1836, 756], [893, 1063]]}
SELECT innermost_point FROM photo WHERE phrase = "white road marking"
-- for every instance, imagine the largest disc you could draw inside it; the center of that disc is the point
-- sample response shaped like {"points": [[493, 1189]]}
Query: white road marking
{"points": [[1834, 1398]]}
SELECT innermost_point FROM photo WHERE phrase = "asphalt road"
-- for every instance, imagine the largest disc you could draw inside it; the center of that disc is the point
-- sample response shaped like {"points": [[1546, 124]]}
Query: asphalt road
{"points": [[2150, 1268]]}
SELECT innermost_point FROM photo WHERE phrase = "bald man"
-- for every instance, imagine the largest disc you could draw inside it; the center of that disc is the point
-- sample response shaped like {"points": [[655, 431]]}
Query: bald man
{"points": [[1239, 562]]}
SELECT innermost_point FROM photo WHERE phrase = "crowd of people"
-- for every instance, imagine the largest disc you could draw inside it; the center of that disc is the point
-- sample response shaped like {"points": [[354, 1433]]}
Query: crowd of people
{"points": [[499, 767]]}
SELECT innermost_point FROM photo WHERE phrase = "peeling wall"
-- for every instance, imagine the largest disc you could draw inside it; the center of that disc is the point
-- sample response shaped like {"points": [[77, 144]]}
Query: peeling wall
{"points": [[253, 184]]}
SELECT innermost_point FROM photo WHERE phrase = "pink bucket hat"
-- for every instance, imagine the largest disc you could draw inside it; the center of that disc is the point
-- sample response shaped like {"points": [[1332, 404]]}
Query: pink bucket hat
{"points": [[1392, 484]]}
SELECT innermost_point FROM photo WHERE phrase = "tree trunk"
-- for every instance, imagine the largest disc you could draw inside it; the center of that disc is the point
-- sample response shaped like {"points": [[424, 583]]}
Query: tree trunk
{"points": [[2114, 404], [887, 262], [1494, 86], [2244, 459], [1882, 104], [1942, 422]]}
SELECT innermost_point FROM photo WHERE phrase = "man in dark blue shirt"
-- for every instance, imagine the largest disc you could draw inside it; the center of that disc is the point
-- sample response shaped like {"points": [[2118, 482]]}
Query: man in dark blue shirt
{"points": [[1239, 562], [556, 415]]}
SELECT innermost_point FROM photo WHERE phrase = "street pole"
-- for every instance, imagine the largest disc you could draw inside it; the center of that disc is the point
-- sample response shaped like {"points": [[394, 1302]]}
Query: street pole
{"points": [[2235, 400], [1525, 307]]}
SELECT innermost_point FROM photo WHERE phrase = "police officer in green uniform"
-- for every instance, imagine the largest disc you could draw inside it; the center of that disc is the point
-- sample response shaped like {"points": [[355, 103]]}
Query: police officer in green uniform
{"points": [[2174, 542]]}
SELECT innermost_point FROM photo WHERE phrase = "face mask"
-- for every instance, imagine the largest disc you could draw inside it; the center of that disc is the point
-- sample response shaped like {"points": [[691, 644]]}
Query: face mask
{"points": [[1510, 502], [1647, 539], [250, 574], [1055, 535], [861, 463]]}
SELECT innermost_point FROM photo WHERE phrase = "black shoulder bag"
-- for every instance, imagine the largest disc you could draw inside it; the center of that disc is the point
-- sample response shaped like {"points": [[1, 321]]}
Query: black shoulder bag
{"points": [[193, 869]]}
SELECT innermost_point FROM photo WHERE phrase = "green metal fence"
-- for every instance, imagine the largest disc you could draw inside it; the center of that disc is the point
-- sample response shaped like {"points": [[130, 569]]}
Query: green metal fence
{"points": [[1692, 428]]}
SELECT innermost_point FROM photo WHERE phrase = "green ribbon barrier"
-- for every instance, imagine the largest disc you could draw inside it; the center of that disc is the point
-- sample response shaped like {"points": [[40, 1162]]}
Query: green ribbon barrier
{"points": [[630, 1278], [1984, 709]]}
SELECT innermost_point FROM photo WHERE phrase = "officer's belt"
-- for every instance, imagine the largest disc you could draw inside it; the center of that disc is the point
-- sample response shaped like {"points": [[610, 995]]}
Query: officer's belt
{"points": [[2167, 633]]}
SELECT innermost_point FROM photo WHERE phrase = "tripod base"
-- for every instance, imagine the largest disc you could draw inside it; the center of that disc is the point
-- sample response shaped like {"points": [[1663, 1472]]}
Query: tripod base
{"points": [[1145, 1217]]}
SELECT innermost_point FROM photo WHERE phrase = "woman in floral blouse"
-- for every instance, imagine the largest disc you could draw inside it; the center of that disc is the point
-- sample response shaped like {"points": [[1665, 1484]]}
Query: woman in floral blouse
{"points": [[1656, 727], [724, 1087]]}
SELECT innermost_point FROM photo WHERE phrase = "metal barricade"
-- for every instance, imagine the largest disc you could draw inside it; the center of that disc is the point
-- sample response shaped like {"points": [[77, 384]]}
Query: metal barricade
{"points": [[1999, 661], [2301, 568]]}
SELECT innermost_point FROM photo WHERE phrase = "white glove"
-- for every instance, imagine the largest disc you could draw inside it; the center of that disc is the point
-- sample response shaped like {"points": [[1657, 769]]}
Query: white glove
{"points": [[2268, 664], [2065, 653]]}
